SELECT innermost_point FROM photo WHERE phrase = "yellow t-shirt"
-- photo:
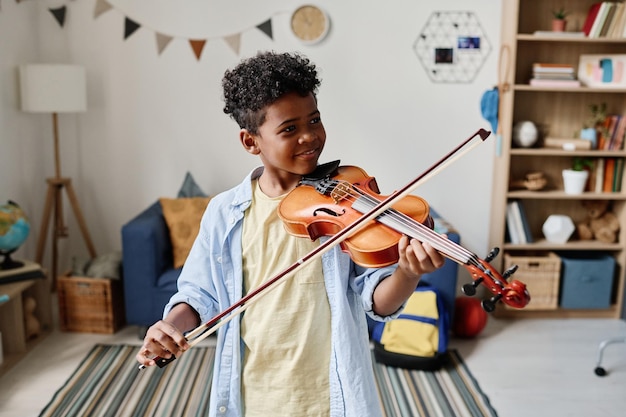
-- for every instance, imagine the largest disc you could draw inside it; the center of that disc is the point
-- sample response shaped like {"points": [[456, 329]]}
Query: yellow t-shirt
{"points": [[286, 334]]}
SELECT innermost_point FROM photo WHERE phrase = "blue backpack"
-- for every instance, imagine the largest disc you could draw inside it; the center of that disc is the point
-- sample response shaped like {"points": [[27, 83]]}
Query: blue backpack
{"points": [[418, 338]]}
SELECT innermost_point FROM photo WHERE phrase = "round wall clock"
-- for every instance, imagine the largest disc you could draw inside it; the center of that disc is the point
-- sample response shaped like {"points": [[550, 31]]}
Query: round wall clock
{"points": [[310, 24]]}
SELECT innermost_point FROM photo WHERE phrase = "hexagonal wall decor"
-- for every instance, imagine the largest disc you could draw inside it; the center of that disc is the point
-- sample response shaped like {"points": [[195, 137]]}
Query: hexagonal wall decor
{"points": [[452, 47]]}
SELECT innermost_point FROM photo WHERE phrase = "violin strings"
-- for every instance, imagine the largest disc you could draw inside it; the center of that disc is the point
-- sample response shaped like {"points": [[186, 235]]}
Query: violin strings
{"points": [[421, 232]]}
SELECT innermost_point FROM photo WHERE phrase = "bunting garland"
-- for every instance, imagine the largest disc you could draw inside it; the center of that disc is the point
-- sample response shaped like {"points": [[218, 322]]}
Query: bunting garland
{"points": [[233, 41]]}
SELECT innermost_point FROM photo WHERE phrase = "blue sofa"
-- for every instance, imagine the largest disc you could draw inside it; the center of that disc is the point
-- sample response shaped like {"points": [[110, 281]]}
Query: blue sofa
{"points": [[150, 278]]}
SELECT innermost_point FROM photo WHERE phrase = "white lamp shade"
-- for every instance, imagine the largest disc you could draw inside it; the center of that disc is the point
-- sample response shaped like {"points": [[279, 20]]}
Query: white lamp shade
{"points": [[53, 88]]}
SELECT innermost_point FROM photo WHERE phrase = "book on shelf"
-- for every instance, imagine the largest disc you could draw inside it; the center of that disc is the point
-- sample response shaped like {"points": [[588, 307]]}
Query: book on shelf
{"points": [[554, 83], [598, 175], [517, 223], [525, 226], [591, 17], [512, 225], [545, 67], [609, 175], [569, 144]]}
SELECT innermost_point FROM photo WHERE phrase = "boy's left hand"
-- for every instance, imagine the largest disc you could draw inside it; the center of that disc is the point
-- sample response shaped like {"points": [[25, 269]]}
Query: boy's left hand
{"points": [[417, 258]]}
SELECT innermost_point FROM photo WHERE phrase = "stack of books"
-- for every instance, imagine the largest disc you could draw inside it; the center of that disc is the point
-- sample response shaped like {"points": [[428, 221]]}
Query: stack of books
{"points": [[553, 75], [606, 19]]}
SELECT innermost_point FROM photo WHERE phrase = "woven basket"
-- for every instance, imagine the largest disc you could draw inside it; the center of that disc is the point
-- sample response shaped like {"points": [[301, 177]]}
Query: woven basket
{"points": [[541, 275]]}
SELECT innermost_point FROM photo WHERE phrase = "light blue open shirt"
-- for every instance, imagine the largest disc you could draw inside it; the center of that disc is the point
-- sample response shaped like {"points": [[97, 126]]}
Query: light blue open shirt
{"points": [[211, 281]]}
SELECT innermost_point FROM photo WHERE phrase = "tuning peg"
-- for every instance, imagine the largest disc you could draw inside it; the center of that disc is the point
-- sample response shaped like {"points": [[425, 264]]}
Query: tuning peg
{"points": [[510, 271], [490, 305], [491, 256], [470, 288]]}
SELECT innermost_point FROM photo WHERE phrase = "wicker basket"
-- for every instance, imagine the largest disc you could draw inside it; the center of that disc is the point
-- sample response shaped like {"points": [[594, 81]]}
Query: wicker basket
{"points": [[92, 305], [541, 275]]}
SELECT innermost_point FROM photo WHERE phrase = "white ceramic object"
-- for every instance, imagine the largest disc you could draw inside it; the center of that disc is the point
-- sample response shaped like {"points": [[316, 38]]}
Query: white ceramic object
{"points": [[574, 181], [558, 228], [525, 134]]}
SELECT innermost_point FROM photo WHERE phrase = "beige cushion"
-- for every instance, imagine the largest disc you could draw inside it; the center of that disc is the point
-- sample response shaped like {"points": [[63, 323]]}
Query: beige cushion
{"points": [[183, 216]]}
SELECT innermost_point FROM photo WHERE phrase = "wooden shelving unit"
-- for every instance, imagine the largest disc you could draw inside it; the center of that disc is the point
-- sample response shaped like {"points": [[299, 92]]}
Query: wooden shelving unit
{"points": [[558, 112], [14, 341]]}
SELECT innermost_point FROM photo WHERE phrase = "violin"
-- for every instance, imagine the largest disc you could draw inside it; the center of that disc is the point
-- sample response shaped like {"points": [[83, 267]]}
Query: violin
{"points": [[334, 197], [345, 204]]}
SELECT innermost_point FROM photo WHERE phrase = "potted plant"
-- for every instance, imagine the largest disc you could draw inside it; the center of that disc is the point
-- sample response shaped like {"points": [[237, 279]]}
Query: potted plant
{"points": [[559, 22], [575, 178]]}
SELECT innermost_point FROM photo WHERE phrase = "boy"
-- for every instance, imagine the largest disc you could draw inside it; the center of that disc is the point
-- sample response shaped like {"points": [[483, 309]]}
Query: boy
{"points": [[303, 349]]}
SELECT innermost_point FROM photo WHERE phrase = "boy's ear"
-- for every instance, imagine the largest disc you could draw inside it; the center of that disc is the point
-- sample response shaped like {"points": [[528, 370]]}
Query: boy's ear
{"points": [[248, 141]]}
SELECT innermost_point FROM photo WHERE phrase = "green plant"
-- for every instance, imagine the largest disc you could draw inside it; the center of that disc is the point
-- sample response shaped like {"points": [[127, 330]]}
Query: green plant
{"points": [[560, 14], [598, 115], [580, 163], [597, 120]]}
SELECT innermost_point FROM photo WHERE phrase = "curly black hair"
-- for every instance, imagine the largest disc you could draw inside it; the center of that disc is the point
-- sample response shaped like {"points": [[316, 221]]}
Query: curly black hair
{"points": [[259, 81]]}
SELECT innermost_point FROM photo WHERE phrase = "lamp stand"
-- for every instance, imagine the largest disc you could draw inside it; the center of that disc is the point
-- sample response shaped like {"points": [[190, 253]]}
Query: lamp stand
{"points": [[54, 200]]}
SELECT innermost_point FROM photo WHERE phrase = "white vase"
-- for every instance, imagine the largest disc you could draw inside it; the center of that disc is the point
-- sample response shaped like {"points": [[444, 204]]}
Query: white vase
{"points": [[574, 181]]}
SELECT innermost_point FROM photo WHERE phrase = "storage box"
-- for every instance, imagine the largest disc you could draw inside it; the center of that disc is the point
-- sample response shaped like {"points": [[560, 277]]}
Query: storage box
{"points": [[587, 280], [541, 276], [93, 305]]}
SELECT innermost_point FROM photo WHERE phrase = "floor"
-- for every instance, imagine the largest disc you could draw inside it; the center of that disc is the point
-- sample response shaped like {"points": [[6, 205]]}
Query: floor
{"points": [[526, 367]]}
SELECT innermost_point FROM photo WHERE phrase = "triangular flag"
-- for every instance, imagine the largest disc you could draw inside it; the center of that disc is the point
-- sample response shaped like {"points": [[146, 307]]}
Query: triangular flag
{"points": [[233, 41], [130, 26], [101, 7], [162, 41], [197, 46], [266, 27], [59, 14]]}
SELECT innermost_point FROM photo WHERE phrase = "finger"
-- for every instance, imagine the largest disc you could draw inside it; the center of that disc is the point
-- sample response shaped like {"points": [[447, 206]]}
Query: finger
{"points": [[164, 338], [144, 357]]}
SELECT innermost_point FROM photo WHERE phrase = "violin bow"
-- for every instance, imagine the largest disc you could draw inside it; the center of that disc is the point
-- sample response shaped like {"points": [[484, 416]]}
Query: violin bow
{"points": [[206, 329]]}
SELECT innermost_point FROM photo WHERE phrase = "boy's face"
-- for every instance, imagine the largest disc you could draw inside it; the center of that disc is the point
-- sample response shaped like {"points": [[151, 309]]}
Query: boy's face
{"points": [[291, 139]]}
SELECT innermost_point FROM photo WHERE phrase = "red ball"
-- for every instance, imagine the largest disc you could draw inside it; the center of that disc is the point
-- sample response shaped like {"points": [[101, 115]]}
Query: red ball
{"points": [[469, 317]]}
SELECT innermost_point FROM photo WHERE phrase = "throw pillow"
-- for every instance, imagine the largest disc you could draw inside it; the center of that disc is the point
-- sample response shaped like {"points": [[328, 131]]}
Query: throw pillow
{"points": [[183, 216], [190, 188]]}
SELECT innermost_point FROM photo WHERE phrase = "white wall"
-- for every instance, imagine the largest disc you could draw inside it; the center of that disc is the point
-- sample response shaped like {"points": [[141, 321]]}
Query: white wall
{"points": [[151, 118]]}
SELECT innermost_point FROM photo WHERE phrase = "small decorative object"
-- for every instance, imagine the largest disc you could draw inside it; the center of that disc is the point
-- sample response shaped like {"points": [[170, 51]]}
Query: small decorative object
{"points": [[575, 179], [469, 317], [32, 327], [533, 181], [558, 228], [14, 229], [600, 224], [605, 71], [525, 134], [310, 24], [559, 23]]}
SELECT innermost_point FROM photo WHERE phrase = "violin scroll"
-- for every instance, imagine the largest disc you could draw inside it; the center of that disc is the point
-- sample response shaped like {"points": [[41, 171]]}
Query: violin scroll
{"points": [[514, 293]]}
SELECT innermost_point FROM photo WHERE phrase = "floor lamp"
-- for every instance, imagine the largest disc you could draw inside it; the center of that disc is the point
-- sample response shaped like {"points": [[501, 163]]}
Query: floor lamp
{"points": [[52, 88]]}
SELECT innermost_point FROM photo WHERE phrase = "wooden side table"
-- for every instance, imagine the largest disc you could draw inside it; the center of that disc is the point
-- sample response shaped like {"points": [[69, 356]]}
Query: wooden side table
{"points": [[14, 341]]}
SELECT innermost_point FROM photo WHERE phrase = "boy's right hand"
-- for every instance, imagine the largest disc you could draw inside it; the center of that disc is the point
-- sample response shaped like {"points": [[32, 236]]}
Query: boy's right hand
{"points": [[162, 339]]}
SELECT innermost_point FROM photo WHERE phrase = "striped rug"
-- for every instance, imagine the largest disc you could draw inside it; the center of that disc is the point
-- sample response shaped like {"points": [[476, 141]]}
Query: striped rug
{"points": [[108, 383]]}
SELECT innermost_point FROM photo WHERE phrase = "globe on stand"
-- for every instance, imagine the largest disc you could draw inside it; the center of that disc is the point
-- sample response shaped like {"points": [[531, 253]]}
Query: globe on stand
{"points": [[14, 229]]}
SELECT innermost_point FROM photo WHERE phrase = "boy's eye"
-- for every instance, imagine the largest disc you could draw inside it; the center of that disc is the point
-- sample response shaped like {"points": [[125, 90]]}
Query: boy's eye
{"points": [[316, 120], [289, 129]]}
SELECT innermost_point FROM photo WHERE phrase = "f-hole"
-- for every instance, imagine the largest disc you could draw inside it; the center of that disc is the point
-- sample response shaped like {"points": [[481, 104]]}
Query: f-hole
{"points": [[329, 212]]}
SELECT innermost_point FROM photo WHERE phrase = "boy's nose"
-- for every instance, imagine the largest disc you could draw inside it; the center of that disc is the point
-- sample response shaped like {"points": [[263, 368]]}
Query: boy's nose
{"points": [[307, 137]]}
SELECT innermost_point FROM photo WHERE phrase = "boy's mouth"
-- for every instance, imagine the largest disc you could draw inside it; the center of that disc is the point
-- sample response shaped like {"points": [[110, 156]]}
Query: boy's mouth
{"points": [[310, 153]]}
